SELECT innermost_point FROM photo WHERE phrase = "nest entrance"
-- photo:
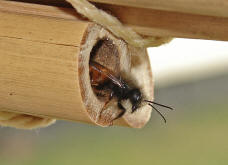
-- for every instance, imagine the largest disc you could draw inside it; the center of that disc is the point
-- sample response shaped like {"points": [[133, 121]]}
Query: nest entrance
{"points": [[106, 53]]}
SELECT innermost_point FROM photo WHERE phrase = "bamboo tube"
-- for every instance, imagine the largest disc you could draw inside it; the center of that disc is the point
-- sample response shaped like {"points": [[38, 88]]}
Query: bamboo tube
{"points": [[44, 63], [151, 22], [154, 22], [200, 7], [218, 8]]}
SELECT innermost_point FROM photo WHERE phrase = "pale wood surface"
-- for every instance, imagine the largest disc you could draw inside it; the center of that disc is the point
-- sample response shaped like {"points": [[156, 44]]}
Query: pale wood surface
{"points": [[38, 61], [199, 7], [151, 22], [44, 63], [144, 21], [36, 9]]}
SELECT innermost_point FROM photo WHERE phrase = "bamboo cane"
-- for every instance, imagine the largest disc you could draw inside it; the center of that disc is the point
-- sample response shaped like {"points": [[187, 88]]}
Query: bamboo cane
{"points": [[147, 22], [44, 63]]}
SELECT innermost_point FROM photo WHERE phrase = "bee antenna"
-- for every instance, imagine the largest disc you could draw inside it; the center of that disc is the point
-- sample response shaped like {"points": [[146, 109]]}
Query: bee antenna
{"points": [[159, 104], [158, 112]]}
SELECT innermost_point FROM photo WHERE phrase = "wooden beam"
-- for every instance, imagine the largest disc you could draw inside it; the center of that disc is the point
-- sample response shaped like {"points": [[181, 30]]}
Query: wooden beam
{"points": [[146, 22]]}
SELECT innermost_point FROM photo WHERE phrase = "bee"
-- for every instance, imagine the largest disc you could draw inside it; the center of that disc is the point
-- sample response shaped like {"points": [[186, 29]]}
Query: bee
{"points": [[103, 78]]}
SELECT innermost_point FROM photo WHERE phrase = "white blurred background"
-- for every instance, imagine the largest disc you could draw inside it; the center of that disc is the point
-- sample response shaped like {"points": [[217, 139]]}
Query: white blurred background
{"points": [[184, 60]]}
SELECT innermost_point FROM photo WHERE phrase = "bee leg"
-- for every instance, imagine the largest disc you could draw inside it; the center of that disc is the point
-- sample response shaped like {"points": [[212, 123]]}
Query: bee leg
{"points": [[106, 103], [94, 84], [120, 106], [100, 93]]}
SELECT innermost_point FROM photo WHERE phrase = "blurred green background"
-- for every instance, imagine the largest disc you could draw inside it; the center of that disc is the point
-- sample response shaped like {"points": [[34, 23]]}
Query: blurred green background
{"points": [[196, 133], [190, 75]]}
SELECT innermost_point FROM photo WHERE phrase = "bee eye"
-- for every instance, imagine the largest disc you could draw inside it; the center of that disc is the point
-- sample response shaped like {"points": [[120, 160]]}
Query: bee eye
{"points": [[135, 96]]}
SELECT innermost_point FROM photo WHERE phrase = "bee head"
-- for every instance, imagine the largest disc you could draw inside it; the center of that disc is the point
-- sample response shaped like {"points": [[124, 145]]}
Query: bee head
{"points": [[135, 97]]}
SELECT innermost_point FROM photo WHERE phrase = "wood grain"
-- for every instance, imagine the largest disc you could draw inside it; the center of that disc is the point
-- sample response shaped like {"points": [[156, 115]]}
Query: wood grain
{"points": [[38, 61], [217, 8], [44, 63], [154, 22], [151, 22], [200, 7]]}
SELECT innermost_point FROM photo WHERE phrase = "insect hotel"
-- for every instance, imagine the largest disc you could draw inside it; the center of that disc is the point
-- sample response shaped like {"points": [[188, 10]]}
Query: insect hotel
{"points": [[46, 48]]}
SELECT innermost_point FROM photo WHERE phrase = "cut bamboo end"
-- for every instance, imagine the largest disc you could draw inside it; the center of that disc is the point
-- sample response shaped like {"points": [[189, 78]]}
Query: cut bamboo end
{"points": [[44, 64], [116, 55], [140, 72]]}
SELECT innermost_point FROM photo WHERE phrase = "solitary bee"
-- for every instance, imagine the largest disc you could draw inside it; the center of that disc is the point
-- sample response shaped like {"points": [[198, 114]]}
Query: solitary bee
{"points": [[103, 78]]}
